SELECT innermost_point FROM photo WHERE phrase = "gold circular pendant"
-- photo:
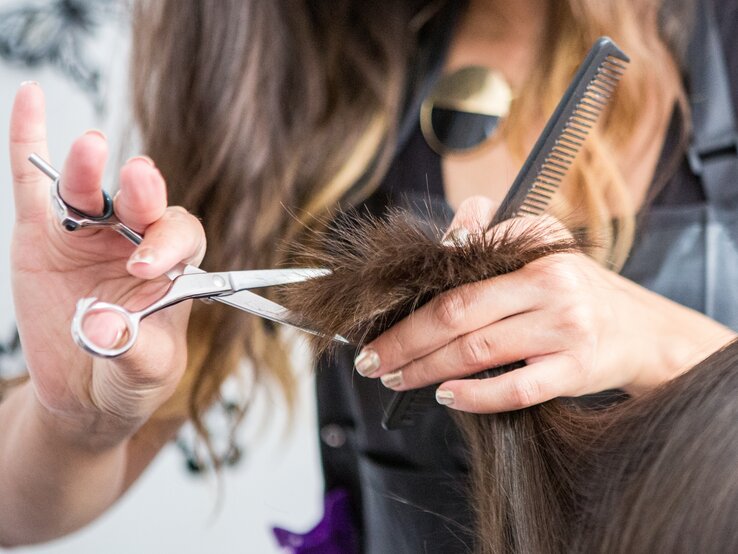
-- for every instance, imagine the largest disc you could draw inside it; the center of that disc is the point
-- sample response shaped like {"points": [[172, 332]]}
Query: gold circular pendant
{"points": [[464, 109]]}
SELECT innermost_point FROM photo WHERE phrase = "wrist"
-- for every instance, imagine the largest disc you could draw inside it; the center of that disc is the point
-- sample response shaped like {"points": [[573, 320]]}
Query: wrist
{"points": [[680, 339], [86, 431]]}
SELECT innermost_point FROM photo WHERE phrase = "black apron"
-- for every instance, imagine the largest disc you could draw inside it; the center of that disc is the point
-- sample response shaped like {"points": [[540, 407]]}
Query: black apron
{"points": [[688, 252], [408, 486]]}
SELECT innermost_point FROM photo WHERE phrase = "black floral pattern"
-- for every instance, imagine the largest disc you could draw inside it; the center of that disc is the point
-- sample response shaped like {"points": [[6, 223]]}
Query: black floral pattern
{"points": [[54, 33]]}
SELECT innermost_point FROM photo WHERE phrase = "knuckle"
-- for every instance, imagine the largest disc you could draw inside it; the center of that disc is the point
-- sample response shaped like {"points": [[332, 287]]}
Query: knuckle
{"points": [[474, 400], [579, 370], [449, 309], [475, 350], [523, 393], [418, 374], [576, 321], [397, 344]]}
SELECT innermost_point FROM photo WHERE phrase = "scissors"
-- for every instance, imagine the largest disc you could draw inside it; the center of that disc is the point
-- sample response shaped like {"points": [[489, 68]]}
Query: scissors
{"points": [[188, 281]]}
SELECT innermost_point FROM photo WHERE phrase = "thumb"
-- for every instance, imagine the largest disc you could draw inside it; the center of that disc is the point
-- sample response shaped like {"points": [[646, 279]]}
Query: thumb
{"points": [[28, 135], [472, 217]]}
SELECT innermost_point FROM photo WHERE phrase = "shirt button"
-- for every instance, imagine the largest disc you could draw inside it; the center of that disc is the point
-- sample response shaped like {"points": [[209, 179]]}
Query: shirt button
{"points": [[333, 435]]}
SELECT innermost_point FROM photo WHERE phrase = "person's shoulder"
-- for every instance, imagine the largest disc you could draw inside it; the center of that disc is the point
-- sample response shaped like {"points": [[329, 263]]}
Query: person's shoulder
{"points": [[726, 14]]}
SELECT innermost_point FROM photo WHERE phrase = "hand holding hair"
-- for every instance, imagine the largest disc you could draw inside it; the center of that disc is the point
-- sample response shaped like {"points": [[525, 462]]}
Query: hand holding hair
{"points": [[579, 327], [556, 477]]}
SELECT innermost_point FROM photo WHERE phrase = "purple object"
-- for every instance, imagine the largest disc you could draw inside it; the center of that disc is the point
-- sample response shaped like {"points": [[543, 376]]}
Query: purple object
{"points": [[334, 534]]}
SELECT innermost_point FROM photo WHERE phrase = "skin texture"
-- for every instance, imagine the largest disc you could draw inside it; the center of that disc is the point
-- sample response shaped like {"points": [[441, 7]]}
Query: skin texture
{"points": [[85, 413]]}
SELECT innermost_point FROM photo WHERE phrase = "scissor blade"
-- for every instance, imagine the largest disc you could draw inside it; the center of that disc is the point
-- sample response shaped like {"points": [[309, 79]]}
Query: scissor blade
{"points": [[253, 279], [263, 307]]}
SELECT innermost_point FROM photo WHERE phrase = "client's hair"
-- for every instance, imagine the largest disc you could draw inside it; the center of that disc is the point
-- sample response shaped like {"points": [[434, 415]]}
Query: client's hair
{"points": [[658, 473]]}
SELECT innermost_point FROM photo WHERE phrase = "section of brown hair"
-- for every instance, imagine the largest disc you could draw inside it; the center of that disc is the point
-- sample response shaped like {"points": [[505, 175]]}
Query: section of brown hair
{"points": [[250, 107], [385, 268], [559, 477]]}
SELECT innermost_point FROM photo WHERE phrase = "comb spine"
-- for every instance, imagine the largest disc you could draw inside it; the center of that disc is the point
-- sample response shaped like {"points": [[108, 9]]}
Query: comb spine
{"points": [[566, 130]]}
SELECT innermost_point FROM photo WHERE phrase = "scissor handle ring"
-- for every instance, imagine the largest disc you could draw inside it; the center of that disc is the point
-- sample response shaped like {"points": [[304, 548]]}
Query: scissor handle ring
{"points": [[89, 306], [81, 218]]}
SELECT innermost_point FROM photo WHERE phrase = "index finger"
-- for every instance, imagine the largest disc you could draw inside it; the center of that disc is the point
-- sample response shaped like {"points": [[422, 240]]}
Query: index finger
{"points": [[443, 319], [28, 135]]}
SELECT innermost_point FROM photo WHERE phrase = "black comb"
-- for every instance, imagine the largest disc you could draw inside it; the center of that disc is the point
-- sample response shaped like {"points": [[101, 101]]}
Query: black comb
{"points": [[538, 180]]}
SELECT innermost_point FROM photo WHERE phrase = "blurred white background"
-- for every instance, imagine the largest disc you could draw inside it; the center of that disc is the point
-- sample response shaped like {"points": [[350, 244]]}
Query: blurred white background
{"points": [[168, 509]]}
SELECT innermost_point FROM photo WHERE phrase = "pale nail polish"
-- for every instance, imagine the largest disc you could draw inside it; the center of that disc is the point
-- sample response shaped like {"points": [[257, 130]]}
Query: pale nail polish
{"points": [[392, 380], [96, 133], [444, 397], [143, 159], [26, 83], [142, 256], [367, 362], [456, 237]]}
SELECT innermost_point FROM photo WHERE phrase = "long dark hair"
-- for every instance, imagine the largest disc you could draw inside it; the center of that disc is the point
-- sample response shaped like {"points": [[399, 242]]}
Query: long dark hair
{"points": [[258, 113], [657, 473], [262, 115]]}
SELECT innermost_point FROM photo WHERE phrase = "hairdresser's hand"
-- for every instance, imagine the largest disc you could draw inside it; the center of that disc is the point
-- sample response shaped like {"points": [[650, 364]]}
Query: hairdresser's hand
{"points": [[94, 400], [579, 327]]}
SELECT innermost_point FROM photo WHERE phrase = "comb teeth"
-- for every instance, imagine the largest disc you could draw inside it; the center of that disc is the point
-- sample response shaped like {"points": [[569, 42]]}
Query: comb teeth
{"points": [[566, 130], [405, 406], [583, 117]]}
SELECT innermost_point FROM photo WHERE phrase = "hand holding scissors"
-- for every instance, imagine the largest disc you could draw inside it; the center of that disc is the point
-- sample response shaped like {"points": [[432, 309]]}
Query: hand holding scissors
{"points": [[188, 281]]}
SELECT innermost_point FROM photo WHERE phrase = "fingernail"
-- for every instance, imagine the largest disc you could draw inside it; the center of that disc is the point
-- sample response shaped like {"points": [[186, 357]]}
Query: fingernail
{"points": [[96, 133], [142, 158], [367, 362], [26, 83], [116, 340], [456, 237], [444, 397], [142, 256], [392, 380]]}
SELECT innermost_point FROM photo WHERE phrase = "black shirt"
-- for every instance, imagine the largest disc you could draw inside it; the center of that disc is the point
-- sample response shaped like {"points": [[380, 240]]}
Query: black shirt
{"points": [[408, 486]]}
